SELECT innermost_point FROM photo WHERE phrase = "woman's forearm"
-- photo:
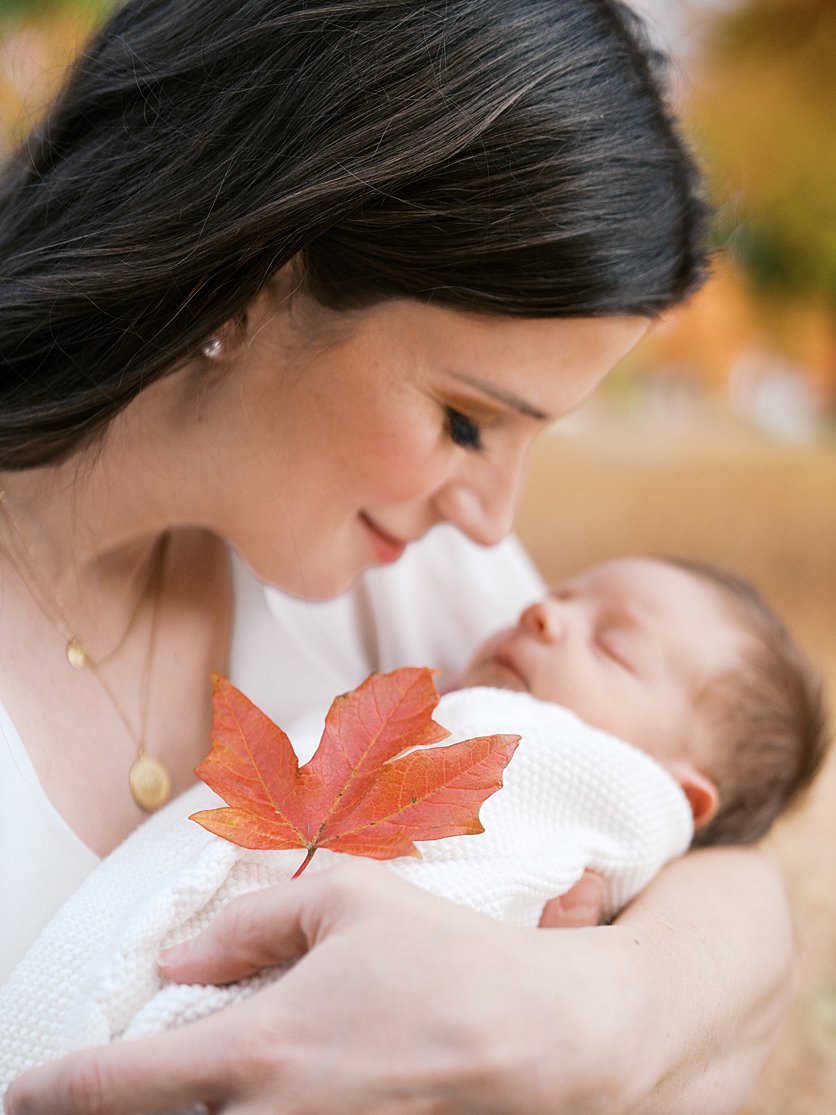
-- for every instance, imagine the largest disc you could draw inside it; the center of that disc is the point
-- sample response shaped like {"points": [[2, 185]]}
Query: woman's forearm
{"points": [[715, 945]]}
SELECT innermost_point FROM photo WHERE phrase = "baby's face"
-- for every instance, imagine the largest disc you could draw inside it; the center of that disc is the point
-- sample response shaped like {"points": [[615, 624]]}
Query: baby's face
{"points": [[627, 645]]}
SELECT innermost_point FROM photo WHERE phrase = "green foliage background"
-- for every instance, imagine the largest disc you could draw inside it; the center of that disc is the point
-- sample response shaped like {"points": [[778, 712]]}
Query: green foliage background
{"points": [[765, 115], [19, 8]]}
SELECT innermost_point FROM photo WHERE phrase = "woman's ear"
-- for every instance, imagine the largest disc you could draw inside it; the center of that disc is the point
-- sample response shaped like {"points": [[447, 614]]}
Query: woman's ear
{"points": [[701, 792], [224, 342], [276, 293]]}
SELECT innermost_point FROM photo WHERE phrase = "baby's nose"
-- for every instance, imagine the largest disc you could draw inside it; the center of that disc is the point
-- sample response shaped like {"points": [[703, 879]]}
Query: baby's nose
{"points": [[543, 620]]}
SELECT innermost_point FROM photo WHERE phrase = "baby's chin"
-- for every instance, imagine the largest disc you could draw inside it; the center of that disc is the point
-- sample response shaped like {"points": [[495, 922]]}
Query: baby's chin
{"points": [[493, 674]]}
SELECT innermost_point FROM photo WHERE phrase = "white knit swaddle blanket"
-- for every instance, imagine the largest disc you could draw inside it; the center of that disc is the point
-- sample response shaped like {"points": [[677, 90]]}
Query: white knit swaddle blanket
{"points": [[573, 798]]}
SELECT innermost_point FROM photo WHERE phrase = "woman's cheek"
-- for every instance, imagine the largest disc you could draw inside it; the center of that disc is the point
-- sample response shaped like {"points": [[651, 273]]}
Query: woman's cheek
{"points": [[406, 468]]}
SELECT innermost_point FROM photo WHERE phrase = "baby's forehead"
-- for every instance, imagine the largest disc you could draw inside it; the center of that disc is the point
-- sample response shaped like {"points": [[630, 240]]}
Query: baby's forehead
{"points": [[643, 580], [655, 580]]}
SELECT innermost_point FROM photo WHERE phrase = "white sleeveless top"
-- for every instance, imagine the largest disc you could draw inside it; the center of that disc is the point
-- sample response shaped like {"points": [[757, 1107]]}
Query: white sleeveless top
{"points": [[290, 656]]}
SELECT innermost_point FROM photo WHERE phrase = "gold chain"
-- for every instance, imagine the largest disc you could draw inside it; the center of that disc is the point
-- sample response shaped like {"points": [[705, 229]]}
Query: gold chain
{"points": [[77, 653], [149, 781]]}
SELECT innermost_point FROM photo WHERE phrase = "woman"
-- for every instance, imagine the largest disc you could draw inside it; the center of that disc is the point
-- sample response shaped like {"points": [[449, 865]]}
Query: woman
{"points": [[306, 279]]}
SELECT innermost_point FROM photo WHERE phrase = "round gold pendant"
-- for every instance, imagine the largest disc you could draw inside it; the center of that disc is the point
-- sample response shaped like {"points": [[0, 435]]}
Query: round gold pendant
{"points": [[76, 654], [150, 784]]}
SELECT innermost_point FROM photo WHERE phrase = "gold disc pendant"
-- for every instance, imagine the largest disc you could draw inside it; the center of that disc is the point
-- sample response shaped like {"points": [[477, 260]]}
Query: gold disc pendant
{"points": [[76, 654], [149, 781]]}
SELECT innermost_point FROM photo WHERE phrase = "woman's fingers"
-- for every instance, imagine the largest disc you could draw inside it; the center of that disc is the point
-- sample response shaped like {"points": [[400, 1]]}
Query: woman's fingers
{"points": [[209, 1061], [153, 1074], [269, 927], [578, 908], [253, 932]]}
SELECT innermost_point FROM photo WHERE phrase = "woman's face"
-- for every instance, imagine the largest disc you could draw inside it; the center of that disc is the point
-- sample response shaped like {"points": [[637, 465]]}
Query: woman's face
{"points": [[339, 439]]}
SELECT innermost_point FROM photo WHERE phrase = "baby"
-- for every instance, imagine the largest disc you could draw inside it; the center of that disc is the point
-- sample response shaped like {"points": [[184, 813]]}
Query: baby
{"points": [[660, 705]]}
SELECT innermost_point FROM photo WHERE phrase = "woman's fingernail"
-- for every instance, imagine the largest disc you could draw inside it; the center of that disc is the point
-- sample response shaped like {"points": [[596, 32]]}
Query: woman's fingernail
{"points": [[171, 957]]}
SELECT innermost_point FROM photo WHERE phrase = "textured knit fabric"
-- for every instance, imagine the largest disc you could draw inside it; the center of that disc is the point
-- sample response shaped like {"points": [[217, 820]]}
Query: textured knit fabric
{"points": [[573, 798]]}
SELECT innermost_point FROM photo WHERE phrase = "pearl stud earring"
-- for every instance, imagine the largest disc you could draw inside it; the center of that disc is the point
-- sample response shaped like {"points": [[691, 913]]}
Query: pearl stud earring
{"points": [[213, 348]]}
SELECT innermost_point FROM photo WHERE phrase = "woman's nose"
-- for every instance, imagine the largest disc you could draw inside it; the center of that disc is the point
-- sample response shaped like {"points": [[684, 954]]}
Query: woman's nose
{"points": [[484, 522], [482, 507], [543, 620]]}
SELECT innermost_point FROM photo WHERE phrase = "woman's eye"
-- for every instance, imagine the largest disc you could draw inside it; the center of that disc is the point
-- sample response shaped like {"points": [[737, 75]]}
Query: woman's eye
{"points": [[463, 431]]}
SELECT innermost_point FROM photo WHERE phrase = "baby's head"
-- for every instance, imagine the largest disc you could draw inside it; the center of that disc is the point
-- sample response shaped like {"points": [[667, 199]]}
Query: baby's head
{"points": [[687, 663]]}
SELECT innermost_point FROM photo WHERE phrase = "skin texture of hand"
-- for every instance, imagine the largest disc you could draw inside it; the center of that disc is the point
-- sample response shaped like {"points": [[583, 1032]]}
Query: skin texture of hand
{"points": [[408, 1005]]}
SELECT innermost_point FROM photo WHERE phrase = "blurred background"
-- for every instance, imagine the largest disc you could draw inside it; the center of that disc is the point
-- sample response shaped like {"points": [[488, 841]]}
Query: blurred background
{"points": [[717, 438]]}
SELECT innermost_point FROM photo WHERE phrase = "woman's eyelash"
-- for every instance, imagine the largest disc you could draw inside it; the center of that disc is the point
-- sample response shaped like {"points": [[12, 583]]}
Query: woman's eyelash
{"points": [[463, 431]]}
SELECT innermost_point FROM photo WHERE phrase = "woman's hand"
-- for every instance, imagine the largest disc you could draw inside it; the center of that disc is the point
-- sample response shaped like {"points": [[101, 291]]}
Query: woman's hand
{"points": [[403, 1003]]}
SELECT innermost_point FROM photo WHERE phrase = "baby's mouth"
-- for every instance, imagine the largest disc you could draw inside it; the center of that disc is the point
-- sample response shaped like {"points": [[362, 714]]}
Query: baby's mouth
{"points": [[507, 666]]}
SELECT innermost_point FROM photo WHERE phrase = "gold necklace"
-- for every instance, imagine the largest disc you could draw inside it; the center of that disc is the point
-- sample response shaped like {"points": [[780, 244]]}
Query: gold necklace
{"points": [[148, 779]]}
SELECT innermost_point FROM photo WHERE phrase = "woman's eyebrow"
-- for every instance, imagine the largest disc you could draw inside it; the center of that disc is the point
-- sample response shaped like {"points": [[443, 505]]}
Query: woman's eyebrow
{"points": [[507, 398]]}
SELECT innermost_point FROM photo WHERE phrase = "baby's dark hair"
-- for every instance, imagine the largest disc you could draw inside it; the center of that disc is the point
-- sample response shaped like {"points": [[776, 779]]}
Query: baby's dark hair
{"points": [[766, 718]]}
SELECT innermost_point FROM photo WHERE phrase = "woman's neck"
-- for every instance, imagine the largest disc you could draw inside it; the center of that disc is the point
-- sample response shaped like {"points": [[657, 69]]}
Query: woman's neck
{"points": [[85, 552], [90, 525]]}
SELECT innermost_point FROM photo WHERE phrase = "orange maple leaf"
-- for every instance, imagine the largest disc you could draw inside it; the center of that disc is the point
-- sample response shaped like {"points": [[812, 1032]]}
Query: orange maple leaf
{"points": [[355, 795]]}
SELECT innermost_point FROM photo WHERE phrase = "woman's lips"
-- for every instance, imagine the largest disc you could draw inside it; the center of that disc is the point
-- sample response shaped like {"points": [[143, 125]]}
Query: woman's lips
{"points": [[386, 547]]}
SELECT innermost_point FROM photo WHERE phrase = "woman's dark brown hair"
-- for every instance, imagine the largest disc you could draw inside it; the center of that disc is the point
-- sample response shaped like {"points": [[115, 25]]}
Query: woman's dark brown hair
{"points": [[500, 156]]}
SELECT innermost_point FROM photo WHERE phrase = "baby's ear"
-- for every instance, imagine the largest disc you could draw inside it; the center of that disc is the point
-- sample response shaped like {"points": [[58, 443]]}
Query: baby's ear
{"points": [[702, 794]]}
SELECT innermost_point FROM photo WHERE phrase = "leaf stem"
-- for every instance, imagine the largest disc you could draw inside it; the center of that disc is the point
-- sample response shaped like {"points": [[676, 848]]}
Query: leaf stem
{"points": [[303, 864]]}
